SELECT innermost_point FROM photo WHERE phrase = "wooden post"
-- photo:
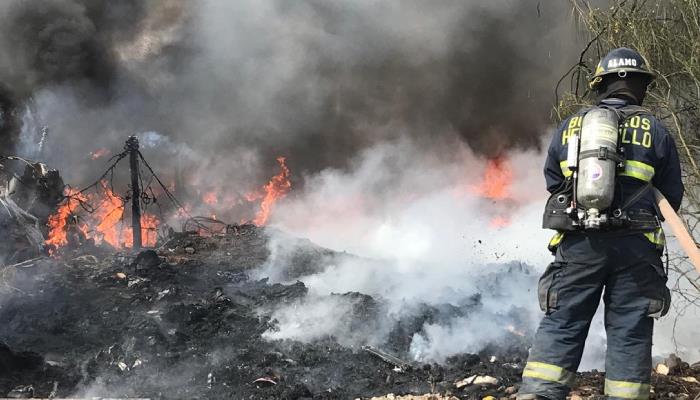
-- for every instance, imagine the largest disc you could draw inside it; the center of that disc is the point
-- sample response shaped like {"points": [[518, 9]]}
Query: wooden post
{"points": [[132, 145]]}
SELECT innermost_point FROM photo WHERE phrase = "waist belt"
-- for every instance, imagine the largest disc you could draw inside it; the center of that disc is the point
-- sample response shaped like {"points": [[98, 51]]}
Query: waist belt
{"points": [[633, 220]]}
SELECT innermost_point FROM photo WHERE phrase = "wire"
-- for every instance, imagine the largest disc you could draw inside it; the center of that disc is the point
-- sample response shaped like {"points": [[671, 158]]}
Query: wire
{"points": [[147, 197], [195, 220], [109, 170]]}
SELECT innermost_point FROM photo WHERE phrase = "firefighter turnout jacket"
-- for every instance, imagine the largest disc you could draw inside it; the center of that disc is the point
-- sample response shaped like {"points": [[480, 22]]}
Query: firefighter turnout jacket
{"points": [[651, 157]]}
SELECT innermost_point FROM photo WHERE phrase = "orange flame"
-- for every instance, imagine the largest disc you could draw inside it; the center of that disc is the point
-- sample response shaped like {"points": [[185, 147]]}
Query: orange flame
{"points": [[149, 230], [59, 220], [496, 185], [277, 188], [108, 215], [104, 224], [497, 179]]}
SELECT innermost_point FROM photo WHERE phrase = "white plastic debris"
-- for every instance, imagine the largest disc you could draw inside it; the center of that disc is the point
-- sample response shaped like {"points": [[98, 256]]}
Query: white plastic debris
{"points": [[264, 381], [465, 382], [662, 369], [476, 380], [485, 380]]}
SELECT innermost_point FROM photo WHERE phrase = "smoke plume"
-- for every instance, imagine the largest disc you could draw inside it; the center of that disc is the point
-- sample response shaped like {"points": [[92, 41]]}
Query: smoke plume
{"points": [[315, 81], [427, 240]]}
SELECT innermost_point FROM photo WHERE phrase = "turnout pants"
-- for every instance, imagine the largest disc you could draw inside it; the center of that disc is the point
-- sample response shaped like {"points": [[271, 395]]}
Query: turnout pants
{"points": [[627, 270]]}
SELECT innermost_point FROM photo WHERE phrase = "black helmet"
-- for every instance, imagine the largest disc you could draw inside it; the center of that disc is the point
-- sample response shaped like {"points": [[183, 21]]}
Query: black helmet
{"points": [[620, 61]]}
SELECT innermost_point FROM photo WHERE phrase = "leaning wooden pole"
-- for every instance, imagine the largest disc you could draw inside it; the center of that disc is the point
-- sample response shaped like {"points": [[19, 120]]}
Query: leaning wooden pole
{"points": [[132, 145], [679, 230]]}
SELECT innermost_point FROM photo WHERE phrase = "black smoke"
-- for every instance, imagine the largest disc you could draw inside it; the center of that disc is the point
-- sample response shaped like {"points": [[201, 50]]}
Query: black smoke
{"points": [[491, 87], [315, 81]]}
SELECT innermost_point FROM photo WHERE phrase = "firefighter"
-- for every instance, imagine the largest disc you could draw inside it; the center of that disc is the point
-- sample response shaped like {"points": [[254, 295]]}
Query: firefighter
{"points": [[617, 254]]}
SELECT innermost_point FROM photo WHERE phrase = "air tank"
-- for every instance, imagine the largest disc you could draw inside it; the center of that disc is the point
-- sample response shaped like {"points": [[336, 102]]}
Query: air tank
{"points": [[596, 177]]}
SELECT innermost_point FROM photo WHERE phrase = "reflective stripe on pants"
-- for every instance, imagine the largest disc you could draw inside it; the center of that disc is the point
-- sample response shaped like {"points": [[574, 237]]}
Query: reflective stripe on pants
{"points": [[627, 390], [548, 372]]}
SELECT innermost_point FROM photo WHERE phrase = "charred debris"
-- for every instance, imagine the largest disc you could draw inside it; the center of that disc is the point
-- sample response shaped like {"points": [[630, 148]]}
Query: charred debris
{"points": [[186, 317]]}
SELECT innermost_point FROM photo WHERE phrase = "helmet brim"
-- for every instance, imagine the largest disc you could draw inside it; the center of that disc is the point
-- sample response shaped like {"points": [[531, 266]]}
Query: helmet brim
{"points": [[598, 78], [625, 70]]}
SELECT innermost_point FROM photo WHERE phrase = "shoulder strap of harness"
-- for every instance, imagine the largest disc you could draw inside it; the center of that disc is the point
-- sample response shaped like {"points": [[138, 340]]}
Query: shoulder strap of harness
{"points": [[636, 196], [624, 113], [627, 111]]}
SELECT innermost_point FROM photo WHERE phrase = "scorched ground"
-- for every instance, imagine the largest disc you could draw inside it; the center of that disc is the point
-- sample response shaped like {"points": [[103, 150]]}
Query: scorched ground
{"points": [[186, 321]]}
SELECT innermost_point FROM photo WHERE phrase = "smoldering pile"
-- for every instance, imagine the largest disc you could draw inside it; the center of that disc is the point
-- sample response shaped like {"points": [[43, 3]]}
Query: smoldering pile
{"points": [[188, 320], [191, 320]]}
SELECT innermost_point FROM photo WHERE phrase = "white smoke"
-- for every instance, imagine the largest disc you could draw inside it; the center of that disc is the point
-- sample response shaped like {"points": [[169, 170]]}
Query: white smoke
{"points": [[426, 237]]}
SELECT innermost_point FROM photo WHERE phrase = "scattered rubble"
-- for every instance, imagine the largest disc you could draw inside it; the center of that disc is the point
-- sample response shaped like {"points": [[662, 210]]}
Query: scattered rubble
{"points": [[38, 190], [411, 397], [590, 385], [399, 364], [166, 324], [672, 365], [22, 237]]}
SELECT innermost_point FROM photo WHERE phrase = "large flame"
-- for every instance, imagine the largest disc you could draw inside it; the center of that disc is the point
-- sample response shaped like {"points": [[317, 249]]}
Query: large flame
{"points": [[277, 188], [108, 216], [105, 224]]}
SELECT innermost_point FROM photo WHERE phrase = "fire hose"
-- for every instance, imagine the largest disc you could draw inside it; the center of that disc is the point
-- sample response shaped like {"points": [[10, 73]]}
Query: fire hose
{"points": [[679, 229]]}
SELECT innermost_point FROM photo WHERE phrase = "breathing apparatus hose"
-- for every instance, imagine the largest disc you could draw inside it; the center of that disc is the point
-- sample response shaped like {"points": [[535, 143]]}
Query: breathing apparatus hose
{"points": [[679, 229]]}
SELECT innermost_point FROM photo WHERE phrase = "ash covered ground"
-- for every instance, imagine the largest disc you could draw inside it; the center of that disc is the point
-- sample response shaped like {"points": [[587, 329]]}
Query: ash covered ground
{"points": [[195, 319]]}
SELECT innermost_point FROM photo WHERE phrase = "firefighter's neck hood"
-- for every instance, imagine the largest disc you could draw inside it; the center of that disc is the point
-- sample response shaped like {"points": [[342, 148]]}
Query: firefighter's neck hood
{"points": [[632, 90]]}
